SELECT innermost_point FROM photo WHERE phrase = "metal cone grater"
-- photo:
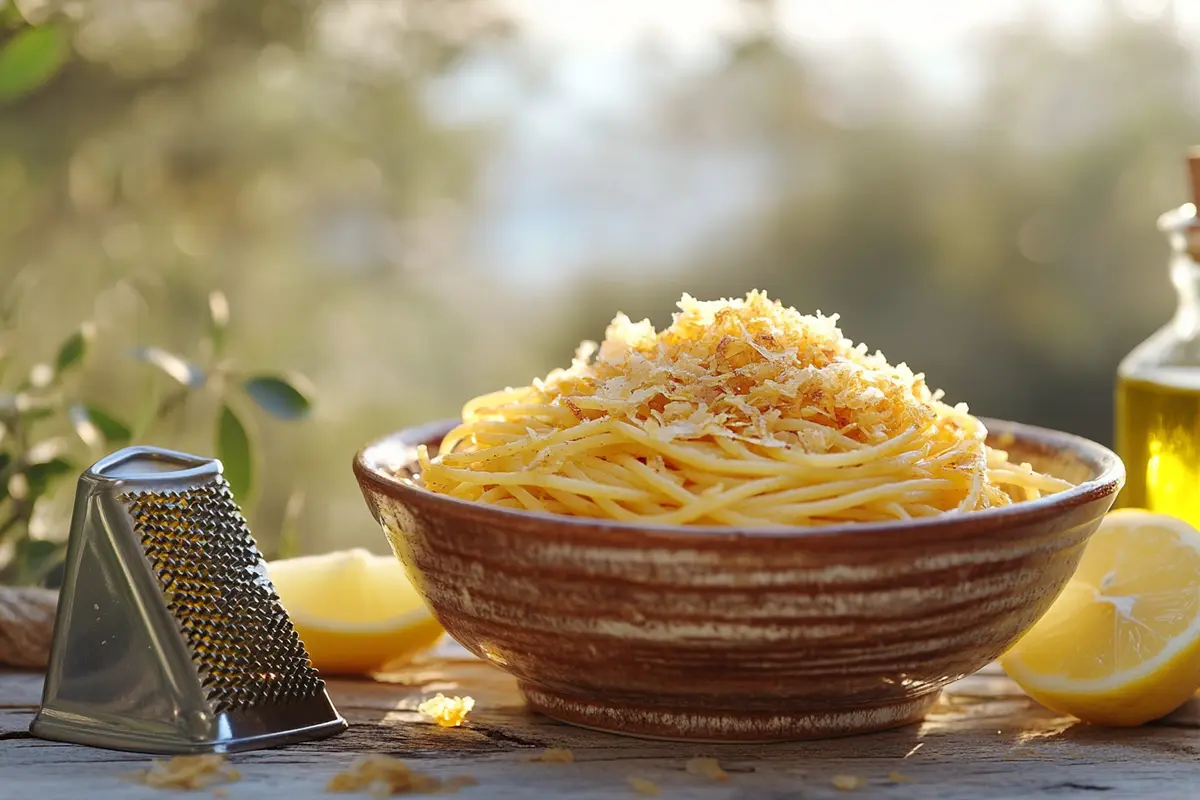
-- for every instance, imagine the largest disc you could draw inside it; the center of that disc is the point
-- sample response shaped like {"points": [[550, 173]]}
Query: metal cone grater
{"points": [[169, 636]]}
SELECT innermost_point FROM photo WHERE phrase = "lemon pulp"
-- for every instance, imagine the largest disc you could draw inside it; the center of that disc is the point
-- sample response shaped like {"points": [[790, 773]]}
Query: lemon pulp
{"points": [[356, 612], [1121, 645]]}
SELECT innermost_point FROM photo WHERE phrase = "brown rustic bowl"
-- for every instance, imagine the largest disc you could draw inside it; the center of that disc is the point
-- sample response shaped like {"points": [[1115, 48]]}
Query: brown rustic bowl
{"points": [[727, 634]]}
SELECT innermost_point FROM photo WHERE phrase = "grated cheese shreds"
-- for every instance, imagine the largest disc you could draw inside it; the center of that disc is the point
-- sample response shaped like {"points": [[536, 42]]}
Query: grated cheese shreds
{"points": [[447, 712], [385, 776], [644, 787], [848, 783], [732, 393], [554, 755], [187, 772], [743, 367], [705, 767]]}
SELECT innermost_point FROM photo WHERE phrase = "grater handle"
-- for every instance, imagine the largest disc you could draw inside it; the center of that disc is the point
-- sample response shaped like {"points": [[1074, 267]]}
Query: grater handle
{"points": [[153, 468]]}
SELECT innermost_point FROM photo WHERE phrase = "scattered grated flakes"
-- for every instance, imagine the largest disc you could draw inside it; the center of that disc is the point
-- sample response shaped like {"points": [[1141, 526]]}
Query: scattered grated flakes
{"points": [[848, 783], [187, 772], [706, 768], [447, 712], [897, 777], [554, 755], [452, 785], [644, 787], [385, 776]]}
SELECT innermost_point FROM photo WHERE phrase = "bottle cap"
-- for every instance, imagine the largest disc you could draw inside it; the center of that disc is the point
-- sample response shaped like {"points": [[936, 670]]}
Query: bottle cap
{"points": [[1193, 159], [1193, 232]]}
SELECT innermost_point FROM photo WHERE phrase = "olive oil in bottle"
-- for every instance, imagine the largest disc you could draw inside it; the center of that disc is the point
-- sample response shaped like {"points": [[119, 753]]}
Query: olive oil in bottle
{"points": [[1158, 386], [1158, 437]]}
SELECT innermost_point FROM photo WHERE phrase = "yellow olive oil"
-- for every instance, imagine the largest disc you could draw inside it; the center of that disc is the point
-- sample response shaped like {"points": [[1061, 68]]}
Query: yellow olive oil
{"points": [[1157, 426], [1158, 437]]}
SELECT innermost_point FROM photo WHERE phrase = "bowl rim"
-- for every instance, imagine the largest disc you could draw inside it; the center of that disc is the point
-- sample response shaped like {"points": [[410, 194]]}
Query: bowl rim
{"points": [[1108, 482]]}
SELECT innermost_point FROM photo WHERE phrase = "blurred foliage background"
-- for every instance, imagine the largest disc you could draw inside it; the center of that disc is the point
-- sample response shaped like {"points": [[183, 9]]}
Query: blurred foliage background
{"points": [[411, 202]]}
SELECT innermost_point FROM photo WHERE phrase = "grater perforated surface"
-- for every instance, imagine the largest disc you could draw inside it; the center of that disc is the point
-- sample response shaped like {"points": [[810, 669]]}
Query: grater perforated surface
{"points": [[243, 644]]}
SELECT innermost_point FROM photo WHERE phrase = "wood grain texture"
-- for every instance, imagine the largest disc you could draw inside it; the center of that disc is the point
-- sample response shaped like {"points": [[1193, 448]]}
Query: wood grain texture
{"points": [[984, 741], [722, 634]]}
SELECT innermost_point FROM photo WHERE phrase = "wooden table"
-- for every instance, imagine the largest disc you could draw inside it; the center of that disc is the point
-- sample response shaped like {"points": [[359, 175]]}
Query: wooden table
{"points": [[984, 740]]}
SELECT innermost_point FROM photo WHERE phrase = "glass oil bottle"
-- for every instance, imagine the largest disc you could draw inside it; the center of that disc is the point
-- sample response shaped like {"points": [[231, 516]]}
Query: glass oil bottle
{"points": [[1158, 386]]}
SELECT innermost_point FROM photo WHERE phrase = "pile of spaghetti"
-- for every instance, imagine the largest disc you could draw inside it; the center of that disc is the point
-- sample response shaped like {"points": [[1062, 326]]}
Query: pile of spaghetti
{"points": [[742, 412]]}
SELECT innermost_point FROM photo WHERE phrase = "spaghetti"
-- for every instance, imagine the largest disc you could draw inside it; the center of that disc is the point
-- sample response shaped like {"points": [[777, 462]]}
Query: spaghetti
{"points": [[742, 412]]}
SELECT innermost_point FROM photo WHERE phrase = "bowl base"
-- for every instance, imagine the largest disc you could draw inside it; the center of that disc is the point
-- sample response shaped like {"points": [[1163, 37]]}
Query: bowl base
{"points": [[689, 725]]}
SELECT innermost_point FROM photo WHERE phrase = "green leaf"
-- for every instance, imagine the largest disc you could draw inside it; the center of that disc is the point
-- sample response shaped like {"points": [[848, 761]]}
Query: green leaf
{"points": [[5, 460], [52, 578], [278, 396], [181, 370], [36, 557], [9, 15], [30, 59], [73, 349], [96, 426], [41, 476], [218, 319], [233, 449], [115, 431], [37, 413]]}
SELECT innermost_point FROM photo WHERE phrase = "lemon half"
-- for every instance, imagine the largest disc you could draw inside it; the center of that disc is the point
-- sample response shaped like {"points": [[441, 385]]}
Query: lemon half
{"points": [[356, 612], [1121, 645]]}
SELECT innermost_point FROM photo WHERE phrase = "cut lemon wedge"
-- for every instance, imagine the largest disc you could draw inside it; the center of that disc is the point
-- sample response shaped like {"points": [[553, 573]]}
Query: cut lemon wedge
{"points": [[1121, 645], [356, 612]]}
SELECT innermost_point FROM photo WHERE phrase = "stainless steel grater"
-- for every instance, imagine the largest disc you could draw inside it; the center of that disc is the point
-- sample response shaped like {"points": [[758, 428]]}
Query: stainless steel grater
{"points": [[169, 636]]}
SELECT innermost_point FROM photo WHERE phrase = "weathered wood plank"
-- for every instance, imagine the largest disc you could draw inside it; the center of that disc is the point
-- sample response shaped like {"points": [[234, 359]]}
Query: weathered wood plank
{"points": [[986, 740]]}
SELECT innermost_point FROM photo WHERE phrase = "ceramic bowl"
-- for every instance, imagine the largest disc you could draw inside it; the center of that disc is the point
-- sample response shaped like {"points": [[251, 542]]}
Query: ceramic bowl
{"points": [[725, 634]]}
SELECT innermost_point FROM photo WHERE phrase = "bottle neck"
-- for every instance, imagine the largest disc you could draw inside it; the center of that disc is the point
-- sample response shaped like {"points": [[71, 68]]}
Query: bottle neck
{"points": [[1183, 232], [1185, 275]]}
